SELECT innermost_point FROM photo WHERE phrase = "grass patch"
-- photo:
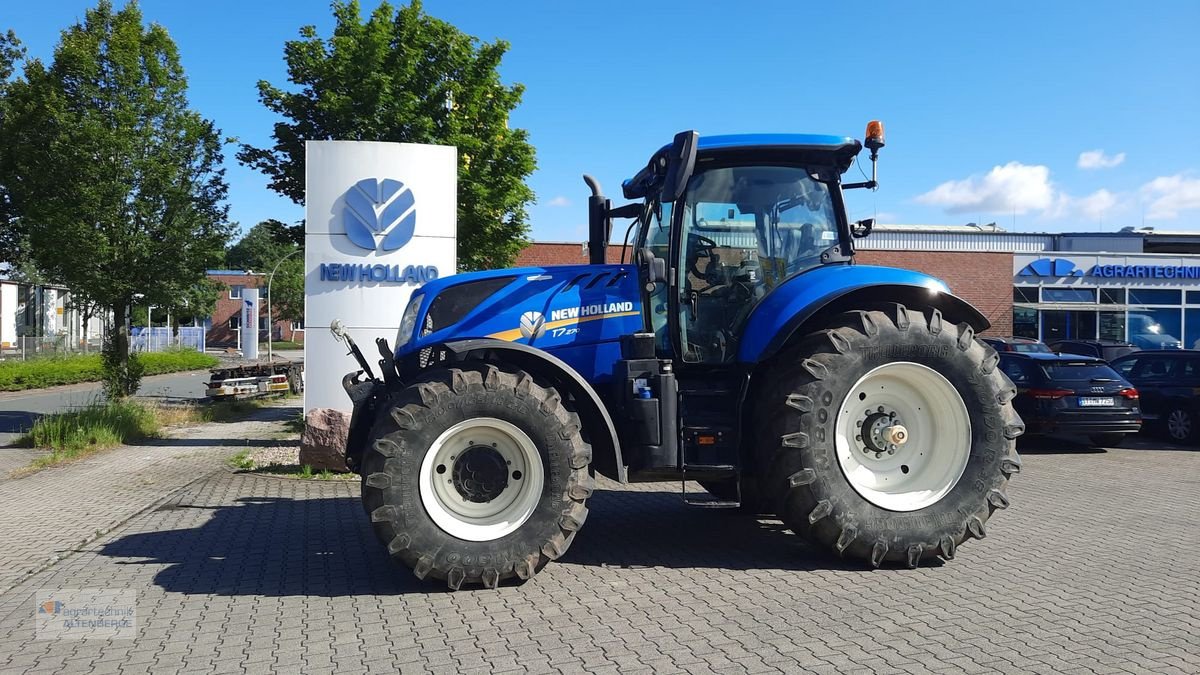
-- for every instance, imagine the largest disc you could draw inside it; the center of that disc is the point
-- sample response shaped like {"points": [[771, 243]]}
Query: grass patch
{"points": [[103, 425], [97, 426], [57, 370], [306, 472], [280, 344], [242, 461]]}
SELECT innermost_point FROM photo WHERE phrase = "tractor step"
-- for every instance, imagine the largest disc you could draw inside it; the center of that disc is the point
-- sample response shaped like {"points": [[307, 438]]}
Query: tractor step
{"points": [[708, 501]]}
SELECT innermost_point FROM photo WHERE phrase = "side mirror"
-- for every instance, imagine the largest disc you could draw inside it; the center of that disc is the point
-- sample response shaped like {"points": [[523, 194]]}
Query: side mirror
{"points": [[653, 269], [862, 228], [680, 164]]}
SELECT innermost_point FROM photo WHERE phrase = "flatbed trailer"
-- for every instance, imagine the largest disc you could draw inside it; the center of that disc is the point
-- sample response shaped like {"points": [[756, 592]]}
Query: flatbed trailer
{"points": [[251, 380]]}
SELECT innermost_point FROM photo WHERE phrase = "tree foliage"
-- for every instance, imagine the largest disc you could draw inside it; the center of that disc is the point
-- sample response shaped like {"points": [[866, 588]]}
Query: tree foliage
{"points": [[12, 240], [119, 188], [262, 248], [404, 76]]}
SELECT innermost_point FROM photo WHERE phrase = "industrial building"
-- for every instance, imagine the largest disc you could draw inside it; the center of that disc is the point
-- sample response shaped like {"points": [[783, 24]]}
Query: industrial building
{"points": [[1137, 285]]}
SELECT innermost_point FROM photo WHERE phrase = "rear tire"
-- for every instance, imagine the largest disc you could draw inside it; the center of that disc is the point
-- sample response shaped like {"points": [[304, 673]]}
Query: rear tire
{"points": [[896, 496], [1107, 439], [476, 474]]}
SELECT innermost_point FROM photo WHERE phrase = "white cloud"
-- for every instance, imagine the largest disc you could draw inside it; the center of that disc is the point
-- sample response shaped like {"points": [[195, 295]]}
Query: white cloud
{"points": [[1096, 159], [559, 201], [1166, 196], [1012, 188], [1093, 207]]}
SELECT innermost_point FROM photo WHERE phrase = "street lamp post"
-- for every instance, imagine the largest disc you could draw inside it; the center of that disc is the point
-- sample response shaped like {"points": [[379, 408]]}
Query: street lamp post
{"points": [[271, 324]]}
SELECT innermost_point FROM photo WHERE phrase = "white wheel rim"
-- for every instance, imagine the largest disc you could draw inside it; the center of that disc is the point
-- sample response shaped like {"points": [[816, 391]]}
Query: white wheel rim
{"points": [[507, 508], [929, 463]]}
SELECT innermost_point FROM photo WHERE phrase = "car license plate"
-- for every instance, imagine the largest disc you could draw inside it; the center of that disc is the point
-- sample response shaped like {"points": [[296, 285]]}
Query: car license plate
{"points": [[1096, 401]]}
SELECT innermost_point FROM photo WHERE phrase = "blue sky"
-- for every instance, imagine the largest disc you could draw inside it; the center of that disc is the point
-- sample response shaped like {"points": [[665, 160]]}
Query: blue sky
{"points": [[1047, 116]]}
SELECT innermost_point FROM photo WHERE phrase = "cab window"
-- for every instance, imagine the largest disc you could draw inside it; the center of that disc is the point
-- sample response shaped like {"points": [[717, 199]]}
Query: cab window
{"points": [[745, 229]]}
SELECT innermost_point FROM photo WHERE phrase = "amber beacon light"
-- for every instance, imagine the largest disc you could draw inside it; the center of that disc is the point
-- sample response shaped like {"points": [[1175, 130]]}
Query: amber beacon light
{"points": [[874, 139]]}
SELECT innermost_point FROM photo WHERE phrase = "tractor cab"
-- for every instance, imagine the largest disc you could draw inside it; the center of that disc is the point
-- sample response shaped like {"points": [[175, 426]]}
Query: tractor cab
{"points": [[724, 221]]}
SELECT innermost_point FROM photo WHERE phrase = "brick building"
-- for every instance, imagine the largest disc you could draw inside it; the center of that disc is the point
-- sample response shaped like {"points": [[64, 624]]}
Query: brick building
{"points": [[224, 328], [1136, 285]]}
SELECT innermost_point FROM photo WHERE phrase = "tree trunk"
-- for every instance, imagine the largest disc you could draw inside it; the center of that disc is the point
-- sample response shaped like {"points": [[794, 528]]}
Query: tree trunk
{"points": [[122, 372]]}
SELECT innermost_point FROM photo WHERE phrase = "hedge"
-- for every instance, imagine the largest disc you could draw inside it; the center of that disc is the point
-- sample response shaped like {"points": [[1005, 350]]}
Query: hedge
{"points": [[53, 371]]}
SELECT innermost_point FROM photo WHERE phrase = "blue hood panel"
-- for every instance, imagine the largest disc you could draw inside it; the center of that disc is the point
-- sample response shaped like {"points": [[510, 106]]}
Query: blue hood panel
{"points": [[546, 307]]}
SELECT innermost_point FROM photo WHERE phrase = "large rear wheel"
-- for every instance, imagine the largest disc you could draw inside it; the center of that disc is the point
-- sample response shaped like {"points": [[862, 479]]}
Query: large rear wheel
{"points": [[476, 474], [888, 437]]}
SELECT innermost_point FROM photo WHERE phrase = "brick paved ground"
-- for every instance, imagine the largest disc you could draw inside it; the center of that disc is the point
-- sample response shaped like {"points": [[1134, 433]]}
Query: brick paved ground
{"points": [[1091, 570], [49, 514]]}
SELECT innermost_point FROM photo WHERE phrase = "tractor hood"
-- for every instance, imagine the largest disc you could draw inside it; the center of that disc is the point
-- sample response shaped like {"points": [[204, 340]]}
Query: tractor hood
{"points": [[547, 307]]}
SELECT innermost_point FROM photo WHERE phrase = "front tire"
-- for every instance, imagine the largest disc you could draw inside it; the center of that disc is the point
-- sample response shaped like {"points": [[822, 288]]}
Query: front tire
{"points": [[888, 437], [476, 474]]}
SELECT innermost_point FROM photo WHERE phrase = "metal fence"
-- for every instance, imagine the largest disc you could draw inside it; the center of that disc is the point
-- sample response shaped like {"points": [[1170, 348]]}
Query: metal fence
{"points": [[162, 338], [140, 340]]}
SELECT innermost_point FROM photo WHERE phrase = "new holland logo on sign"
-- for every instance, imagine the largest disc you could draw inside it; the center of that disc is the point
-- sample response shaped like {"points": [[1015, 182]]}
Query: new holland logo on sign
{"points": [[379, 215]]}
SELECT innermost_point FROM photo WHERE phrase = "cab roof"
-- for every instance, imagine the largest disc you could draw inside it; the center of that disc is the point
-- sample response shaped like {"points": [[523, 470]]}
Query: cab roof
{"points": [[781, 141], [839, 151]]}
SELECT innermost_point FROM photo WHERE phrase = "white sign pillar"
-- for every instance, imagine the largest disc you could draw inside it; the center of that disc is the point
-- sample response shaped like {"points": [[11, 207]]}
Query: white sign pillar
{"points": [[380, 222], [249, 323]]}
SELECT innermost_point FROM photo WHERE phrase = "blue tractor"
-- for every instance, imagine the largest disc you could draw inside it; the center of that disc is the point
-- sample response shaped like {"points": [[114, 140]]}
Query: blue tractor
{"points": [[736, 344]]}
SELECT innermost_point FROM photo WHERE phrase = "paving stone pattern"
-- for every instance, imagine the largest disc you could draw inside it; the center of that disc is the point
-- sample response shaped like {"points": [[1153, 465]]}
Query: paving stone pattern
{"points": [[47, 515], [1091, 570]]}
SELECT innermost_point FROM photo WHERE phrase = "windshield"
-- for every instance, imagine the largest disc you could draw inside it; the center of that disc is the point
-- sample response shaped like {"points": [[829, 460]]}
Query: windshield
{"points": [[777, 218], [745, 230]]}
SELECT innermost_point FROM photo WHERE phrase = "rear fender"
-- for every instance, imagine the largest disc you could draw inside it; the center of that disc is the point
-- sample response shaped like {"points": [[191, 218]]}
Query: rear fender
{"points": [[597, 424], [807, 302]]}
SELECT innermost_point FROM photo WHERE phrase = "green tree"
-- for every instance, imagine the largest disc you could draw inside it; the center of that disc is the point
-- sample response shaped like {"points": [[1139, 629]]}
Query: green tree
{"points": [[121, 192], [262, 248], [12, 240], [405, 76]]}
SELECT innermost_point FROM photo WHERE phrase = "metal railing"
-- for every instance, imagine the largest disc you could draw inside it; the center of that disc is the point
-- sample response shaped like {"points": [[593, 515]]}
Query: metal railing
{"points": [[140, 340]]}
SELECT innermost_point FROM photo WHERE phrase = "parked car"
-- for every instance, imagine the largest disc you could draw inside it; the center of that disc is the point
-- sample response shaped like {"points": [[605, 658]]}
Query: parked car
{"points": [[1017, 344], [1168, 380], [1101, 349], [1068, 394]]}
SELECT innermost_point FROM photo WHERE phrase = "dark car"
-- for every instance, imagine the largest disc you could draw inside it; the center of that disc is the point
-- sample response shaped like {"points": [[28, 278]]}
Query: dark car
{"points": [[1168, 380], [1068, 394], [1101, 349], [1017, 344]]}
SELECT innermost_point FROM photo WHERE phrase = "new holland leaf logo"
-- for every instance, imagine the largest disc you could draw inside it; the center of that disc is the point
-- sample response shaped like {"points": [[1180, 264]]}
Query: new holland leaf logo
{"points": [[380, 214], [1050, 267]]}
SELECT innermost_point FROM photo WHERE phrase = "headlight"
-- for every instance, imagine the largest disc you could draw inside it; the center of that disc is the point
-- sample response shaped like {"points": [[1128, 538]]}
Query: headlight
{"points": [[408, 322]]}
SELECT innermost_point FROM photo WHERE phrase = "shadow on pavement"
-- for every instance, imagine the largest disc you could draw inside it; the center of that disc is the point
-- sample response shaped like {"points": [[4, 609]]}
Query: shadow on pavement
{"points": [[271, 546], [1055, 445], [218, 442], [325, 547], [17, 421]]}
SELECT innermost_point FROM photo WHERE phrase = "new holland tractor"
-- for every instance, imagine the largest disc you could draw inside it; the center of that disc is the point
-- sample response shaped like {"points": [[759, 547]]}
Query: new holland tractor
{"points": [[736, 344]]}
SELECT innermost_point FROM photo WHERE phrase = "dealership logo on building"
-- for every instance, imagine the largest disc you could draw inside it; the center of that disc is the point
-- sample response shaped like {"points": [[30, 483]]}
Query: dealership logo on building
{"points": [[1051, 267], [379, 214]]}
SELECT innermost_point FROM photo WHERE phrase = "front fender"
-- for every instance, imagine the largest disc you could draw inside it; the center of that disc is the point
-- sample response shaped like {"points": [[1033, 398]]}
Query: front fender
{"points": [[602, 434], [813, 295]]}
